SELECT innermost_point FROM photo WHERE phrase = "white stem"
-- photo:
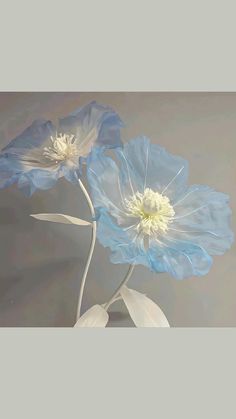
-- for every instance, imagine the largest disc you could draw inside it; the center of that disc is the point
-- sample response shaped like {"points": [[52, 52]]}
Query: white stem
{"points": [[92, 244], [116, 293]]}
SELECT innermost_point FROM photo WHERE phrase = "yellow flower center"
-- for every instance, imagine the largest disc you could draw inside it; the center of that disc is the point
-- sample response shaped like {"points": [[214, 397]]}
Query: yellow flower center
{"points": [[62, 148], [153, 210]]}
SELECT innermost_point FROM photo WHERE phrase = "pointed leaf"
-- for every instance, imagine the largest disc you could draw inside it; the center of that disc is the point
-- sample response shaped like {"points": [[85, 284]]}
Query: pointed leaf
{"points": [[143, 311], [96, 316], [60, 218]]}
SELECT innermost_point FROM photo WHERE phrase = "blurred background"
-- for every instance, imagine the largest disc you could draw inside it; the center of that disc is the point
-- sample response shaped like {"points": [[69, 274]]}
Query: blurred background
{"points": [[41, 263]]}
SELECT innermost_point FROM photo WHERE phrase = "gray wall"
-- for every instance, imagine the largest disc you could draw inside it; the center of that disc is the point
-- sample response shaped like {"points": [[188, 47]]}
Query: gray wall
{"points": [[41, 263]]}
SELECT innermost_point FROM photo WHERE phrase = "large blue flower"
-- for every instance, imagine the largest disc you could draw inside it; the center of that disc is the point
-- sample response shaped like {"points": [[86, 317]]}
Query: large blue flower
{"points": [[147, 214], [44, 152]]}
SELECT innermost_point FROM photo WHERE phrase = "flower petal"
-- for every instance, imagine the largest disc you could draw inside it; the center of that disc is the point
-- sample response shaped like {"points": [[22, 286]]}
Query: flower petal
{"points": [[61, 218], [22, 159], [103, 176], [31, 138], [123, 248], [180, 258], [203, 217], [43, 178], [146, 165], [96, 316], [93, 123], [143, 311]]}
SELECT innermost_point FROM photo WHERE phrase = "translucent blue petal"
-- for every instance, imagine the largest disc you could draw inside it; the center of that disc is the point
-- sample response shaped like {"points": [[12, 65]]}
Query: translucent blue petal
{"points": [[103, 177], [25, 185], [25, 152], [71, 174], [146, 165], [123, 250], [22, 159], [43, 179], [180, 258], [32, 138], [7, 176], [203, 216], [93, 124]]}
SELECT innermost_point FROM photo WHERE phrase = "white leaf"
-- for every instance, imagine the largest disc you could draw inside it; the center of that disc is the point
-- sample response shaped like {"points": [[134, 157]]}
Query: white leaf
{"points": [[60, 218], [143, 311], [96, 316]]}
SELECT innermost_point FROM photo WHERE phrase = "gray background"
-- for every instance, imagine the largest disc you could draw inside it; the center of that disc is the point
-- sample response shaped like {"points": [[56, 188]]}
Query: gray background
{"points": [[41, 263]]}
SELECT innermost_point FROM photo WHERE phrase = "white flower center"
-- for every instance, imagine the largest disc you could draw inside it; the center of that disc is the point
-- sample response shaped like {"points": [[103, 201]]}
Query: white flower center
{"points": [[63, 148], [153, 210]]}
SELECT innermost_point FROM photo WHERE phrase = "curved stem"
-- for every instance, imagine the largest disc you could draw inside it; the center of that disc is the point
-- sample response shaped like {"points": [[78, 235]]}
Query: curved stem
{"points": [[116, 293], [91, 249]]}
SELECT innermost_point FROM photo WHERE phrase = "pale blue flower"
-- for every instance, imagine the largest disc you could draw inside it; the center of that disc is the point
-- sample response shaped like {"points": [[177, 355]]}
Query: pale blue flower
{"points": [[43, 153], [147, 214]]}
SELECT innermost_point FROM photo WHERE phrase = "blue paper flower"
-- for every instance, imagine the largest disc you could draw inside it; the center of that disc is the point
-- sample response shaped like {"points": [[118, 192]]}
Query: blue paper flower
{"points": [[43, 153], [148, 215]]}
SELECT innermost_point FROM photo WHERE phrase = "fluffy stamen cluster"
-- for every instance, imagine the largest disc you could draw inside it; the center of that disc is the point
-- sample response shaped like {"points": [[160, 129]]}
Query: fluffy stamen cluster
{"points": [[153, 210], [63, 148]]}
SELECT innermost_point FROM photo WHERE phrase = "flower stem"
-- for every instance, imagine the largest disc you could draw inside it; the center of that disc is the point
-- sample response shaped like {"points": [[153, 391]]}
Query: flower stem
{"points": [[91, 249], [116, 293]]}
